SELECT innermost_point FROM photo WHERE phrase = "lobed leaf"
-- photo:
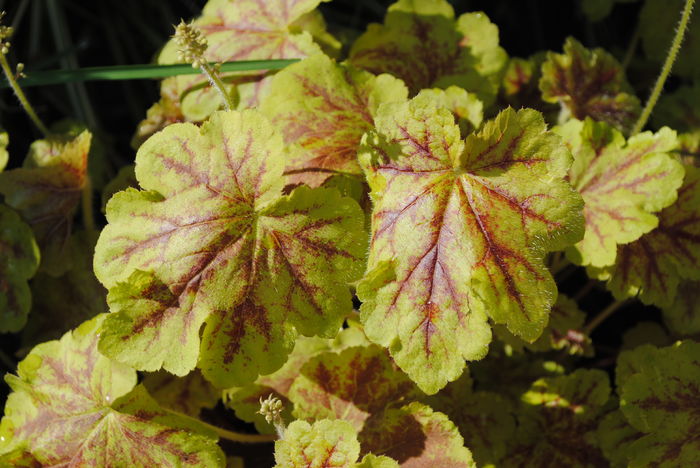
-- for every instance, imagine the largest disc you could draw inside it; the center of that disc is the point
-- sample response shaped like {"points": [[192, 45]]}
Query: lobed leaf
{"points": [[459, 231], [589, 84], [353, 385], [20, 260], [222, 245], [325, 444], [660, 399], [72, 406], [323, 109], [467, 109], [623, 183], [244, 30], [422, 43], [652, 267], [557, 420], [46, 192], [417, 437]]}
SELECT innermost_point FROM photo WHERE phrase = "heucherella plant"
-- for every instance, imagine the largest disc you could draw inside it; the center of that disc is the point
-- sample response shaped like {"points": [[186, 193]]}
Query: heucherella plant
{"points": [[397, 251]]}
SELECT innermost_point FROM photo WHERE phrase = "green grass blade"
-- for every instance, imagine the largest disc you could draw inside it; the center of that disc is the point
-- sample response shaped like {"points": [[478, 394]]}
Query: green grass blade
{"points": [[139, 72]]}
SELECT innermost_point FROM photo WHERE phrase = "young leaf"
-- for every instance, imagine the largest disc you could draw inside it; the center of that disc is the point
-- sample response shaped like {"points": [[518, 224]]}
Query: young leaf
{"points": [[557, 420], [46, 192], [323, 109], [589, 84], [653, 266], [421, 43], [223, 245], [416, 436], [243, 30], [326, 443], [459, 231], [20, 260], [661, 401], [72, 406], [622, 184]]}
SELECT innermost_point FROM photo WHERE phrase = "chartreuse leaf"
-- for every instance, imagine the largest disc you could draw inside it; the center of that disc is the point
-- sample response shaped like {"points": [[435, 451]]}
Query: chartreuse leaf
{"points": [[19, 458], [623, 183], [223, 245], [71, 406], [484, 419], [4, 156], [353, 385], [373, 461], [589, 84], [563, 331], [415, 435], [362, 386], [326, 443], [421, 43], [661, 400], [243, 30], [459, 231], [657, 25], [245, 401], [19, 260], [557, 422], [467, 109], [46, 192], [323, 109], [653, 266]]}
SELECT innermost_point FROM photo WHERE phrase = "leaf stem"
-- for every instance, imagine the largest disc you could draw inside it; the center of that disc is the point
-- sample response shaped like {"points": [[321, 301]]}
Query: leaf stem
{"points": [[216, 82], [666, 69], [601, 317], [584, 290], [12, 81]]}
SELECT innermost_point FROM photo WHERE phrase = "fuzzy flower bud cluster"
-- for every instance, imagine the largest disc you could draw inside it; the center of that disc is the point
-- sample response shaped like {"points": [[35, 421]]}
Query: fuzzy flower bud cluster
{"points": [[271, 408], [191, 44], [5, 33]]}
